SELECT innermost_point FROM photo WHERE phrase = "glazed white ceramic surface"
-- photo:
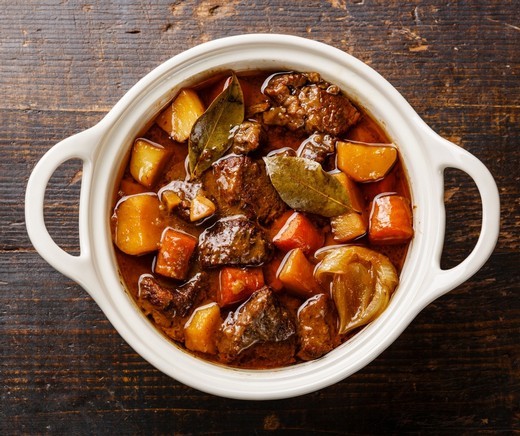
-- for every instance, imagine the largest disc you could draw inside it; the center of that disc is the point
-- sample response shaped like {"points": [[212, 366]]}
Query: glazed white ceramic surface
{"points": [[103, 148]]}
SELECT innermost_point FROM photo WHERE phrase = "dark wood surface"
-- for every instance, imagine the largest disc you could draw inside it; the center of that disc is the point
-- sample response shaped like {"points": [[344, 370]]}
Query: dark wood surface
{"points": [[63, 367]]}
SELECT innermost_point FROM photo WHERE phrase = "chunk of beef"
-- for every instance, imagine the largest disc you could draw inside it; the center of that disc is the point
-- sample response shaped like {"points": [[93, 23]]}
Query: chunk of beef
{"points": [[261, 319], [234, 240], [316, 327], [172, 301], [248, 137], [281, 86], [317, 147], [305, 101], [241, 185], [170, 308]]}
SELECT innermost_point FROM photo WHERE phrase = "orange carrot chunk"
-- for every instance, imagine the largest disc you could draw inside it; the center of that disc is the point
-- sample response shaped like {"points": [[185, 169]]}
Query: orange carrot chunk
{"points": [[297, 275], [237, 284], [390, 220], [299, 232], [174, 254]]}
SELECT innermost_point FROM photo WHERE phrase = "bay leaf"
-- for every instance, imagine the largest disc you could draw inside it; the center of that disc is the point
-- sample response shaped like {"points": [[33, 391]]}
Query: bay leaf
{"points": [[211, 134], [304, 186]]}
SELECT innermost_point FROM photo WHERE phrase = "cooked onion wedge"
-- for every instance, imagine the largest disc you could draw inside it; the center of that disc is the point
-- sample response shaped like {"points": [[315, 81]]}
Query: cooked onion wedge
{"points": [[361, 282]]}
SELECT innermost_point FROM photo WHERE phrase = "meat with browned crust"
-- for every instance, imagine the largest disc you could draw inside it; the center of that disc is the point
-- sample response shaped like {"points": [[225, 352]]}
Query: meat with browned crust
{"points": [[306, 101], [248, 137], [261, 319], [174, 302], [316, 327], [240, 184], [234, 240], [317, 147]]}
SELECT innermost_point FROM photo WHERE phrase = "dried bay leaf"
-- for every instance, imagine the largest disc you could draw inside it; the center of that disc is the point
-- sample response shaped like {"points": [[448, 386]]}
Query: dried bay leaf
{"points": [[211, 134], [304, 186]]}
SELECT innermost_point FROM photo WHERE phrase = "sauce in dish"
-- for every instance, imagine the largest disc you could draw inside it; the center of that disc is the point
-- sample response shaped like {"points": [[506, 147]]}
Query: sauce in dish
{"points": [[263, 219]]}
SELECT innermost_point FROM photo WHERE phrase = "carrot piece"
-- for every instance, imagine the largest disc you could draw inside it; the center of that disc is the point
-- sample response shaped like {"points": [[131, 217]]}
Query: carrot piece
{"points": [[297, 275], [173, 259], [390, 220], [278, 223], [236, 284], [299, 232], [270, 273]]}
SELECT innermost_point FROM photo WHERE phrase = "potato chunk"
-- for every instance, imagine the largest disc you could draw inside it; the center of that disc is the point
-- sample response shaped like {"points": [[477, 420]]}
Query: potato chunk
{"points": [[199, 331], [201, 207], [365, 162], [138, 224], [178, 118], [170, 199], [147, 161], [349, 226]]}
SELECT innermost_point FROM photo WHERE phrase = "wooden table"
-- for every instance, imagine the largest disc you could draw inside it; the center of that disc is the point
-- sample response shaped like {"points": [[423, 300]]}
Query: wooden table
{"points": [[65, 370]]}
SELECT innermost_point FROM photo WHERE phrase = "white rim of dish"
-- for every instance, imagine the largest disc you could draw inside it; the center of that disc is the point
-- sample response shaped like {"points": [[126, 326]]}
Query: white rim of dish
{"points": [[103, 147]]}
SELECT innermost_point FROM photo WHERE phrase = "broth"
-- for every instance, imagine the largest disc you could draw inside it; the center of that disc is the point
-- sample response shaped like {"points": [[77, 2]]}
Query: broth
{"points": [[262, 353]]}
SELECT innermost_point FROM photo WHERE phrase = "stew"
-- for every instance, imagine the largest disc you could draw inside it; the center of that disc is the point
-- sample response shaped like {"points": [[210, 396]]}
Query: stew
{"points": [[263, 219]]}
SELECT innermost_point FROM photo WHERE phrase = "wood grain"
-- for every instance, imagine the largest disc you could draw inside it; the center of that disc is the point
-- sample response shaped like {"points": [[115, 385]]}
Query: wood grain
{"points": [[63, 367]]}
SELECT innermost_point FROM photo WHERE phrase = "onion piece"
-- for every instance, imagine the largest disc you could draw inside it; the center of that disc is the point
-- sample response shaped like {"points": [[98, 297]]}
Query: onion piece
{"points": [[361, 283]]}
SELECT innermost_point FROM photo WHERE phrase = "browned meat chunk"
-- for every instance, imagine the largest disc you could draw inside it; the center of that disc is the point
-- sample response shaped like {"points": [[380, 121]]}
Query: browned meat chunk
{"points": [[316, 327], [248, 137], [241, 185], [261, 319], [306, 101], [172, 301], [317, 147], [234, 241], [281, 86]]}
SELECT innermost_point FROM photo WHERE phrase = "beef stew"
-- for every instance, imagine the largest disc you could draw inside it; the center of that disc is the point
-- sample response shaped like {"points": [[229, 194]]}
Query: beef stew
{"points": [[262, 219]]}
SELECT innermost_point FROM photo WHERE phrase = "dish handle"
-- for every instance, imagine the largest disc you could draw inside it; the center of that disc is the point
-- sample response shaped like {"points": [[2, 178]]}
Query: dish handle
{"points": [[80, 146], [444, 154]]}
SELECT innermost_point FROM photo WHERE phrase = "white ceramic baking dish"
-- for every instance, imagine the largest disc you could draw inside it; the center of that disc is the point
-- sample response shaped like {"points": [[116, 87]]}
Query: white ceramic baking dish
{"points": [[103, 148]]}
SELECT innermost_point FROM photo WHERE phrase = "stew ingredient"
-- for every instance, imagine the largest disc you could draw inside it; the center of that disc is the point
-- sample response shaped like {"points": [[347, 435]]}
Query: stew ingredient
{"points": [[262, 219]]}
